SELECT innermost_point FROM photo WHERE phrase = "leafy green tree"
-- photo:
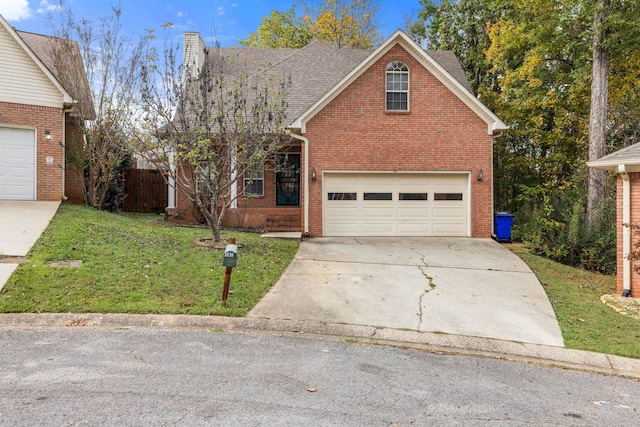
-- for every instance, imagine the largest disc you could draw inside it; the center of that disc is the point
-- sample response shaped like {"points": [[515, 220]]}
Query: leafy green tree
{"points": [[340, 23], [531, 61], [616, 30], [543, 95], [343, 23], [280, 30], [462, 27]]}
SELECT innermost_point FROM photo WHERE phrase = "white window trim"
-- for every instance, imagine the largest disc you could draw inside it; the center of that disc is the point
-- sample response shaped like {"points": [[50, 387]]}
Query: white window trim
{"points": [[387, 91], [248, 180]]}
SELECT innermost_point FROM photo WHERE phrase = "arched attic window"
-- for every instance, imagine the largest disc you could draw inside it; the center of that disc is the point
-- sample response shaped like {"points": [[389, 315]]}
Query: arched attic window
{"points": [[397, 86]]}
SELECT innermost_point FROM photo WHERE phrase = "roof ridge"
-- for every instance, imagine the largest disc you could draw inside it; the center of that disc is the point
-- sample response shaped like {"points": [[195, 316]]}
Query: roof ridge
{"points": [[295, 52], [39, 34], [270, 65]]}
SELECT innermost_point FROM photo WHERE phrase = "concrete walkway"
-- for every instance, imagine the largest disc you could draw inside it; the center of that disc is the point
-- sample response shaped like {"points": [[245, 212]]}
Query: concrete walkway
{"points": [[21, 224], [460, 286]]}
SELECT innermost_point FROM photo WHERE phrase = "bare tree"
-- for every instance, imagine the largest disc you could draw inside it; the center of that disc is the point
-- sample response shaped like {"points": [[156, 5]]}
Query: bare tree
{"points": [[112, 61], [211, 124]]}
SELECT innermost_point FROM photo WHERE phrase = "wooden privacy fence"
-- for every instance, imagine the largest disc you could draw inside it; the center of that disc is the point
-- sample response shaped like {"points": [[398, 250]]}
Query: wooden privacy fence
{"points": [[145, 191]]}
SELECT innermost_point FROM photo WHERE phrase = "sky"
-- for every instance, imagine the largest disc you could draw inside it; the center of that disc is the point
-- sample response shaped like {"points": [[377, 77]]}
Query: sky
{"points": [[224, 20]]}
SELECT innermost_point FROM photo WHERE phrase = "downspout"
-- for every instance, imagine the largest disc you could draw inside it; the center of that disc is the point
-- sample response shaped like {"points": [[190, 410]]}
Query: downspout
{"points": [[234, 181], [626, 231], [305, 208], [171, 183], [63, 161]]}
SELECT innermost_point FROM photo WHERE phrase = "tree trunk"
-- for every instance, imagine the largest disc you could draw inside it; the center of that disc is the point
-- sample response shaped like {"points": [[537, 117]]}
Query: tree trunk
{"points": [[598, 112]]}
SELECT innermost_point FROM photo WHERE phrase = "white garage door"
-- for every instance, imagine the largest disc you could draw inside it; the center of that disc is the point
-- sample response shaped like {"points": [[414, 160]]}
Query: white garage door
{"points": [[17, 164], [379, 204]]}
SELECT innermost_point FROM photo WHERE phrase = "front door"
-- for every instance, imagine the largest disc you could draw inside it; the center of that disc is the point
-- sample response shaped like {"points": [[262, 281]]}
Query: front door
{"points": [[288, 180]]}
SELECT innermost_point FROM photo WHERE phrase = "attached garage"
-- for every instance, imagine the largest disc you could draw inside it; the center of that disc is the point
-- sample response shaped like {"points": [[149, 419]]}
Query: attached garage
{"points": [[395, 204], [17, 164]]}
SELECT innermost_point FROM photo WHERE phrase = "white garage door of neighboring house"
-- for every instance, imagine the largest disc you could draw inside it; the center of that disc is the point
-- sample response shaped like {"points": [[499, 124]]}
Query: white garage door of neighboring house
{"points": [[398, 204], [17, 164]]}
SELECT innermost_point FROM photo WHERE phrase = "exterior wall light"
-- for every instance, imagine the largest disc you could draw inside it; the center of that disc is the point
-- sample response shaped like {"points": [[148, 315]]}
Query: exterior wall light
{"points": [[313, 174], [480, 175], [47, 135]]}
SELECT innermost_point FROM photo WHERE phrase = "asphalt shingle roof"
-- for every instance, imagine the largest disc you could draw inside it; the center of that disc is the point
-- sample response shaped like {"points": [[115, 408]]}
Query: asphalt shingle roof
{"points": [[71, 73], [448, 60], [627, 155], [315, 69]]}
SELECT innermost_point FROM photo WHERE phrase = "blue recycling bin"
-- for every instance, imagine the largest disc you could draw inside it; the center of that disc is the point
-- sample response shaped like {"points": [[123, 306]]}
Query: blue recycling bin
{"points": [[503, 223]]}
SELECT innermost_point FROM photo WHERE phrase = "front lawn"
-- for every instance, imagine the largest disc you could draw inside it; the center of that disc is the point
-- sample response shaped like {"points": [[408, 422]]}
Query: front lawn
{"points": [[586, 323], [135, 264]]}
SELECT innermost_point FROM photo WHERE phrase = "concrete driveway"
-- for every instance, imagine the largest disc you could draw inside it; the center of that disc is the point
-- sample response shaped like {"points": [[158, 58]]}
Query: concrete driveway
{"points": [[21, 224], [463, 286]]}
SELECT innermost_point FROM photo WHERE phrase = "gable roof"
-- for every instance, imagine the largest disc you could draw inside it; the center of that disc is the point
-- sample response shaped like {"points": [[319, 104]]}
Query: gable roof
{"points": [[67, 98], [68, 70], [311, 77], [628, 156], [449, 61], [447, 72]]}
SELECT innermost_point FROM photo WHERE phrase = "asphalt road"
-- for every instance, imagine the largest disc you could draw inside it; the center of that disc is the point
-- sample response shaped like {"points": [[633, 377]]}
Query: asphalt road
{"points": [[81, 376]]}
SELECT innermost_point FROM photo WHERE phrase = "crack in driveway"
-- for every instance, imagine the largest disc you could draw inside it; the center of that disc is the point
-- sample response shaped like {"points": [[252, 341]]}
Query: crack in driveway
{"points": [[430, 283]]}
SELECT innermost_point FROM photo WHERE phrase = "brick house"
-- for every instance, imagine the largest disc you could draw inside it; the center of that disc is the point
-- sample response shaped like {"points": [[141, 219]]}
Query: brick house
{"points": [[390, 142], [38, 118], [625, 163]]}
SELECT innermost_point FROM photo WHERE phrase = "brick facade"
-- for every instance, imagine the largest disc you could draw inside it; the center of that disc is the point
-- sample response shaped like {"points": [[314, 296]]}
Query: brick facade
{"points": [[354, 132], [48, 177], [634, 179], [255, 212], [439, 133]]}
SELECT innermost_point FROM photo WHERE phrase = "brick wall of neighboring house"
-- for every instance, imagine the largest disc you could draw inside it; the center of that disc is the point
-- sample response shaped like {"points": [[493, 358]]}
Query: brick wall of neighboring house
{"points": [[439, 133], [48, 177], [635, 234], [73, 176]]}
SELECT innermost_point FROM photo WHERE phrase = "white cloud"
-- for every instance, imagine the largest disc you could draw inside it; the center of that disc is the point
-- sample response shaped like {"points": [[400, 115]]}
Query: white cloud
{"points": [[15, 10], [45, 6], [221, 10], [181, 14]]}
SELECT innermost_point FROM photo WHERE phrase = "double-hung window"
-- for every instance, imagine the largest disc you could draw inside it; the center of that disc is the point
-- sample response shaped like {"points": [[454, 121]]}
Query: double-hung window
{"points": [[254, 183], [397, 86]]}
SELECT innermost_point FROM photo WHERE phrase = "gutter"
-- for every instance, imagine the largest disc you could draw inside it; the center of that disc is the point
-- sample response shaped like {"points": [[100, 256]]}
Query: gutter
{"points": [[626, 231], [305, 141]]}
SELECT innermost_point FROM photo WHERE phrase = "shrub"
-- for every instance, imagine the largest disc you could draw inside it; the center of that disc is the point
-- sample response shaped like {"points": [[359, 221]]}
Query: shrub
{"points": [[553, 223]]}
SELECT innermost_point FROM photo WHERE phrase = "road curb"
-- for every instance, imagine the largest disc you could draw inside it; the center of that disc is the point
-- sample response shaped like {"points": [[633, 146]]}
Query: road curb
{"points": [[428, 341]]}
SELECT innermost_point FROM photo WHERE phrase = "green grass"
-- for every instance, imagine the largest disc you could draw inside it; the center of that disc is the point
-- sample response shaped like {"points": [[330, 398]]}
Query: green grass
{"points": [[132, 264], [586, 323]]}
